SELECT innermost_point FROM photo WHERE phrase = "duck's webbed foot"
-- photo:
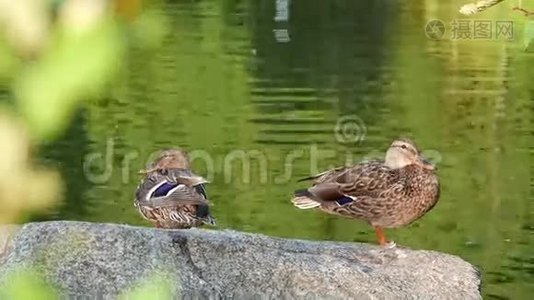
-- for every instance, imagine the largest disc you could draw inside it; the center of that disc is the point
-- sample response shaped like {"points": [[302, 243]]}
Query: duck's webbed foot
{"points": [[384, 243], [389, 245]]}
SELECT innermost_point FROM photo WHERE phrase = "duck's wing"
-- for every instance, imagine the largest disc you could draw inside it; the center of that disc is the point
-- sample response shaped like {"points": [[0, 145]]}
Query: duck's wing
{"points": [[370, 180], [170, 195], [187, 177], [172, 187], [326, 175]]}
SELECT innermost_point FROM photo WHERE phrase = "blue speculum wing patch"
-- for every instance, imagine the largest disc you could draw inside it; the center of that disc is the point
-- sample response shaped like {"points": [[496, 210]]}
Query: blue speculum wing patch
{"points": [[163, 189], [344, 200]]}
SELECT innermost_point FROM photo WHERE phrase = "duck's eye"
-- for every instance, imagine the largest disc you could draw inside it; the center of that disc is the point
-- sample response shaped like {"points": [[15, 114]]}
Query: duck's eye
{"points": [[403, 146]]}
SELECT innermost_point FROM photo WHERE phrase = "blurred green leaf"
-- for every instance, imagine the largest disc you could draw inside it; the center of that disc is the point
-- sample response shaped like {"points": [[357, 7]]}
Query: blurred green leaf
{"points": [[8, 62], [154, 288], [77, 66], [26, 285]]}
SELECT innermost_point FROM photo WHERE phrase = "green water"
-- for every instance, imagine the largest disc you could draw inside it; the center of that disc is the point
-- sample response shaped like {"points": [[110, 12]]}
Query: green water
{"points": [[227, 79]]}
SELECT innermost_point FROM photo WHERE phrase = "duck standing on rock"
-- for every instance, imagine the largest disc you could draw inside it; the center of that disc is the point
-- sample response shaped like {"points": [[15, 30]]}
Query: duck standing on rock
{"points": [[387, 194], [170, 195]]}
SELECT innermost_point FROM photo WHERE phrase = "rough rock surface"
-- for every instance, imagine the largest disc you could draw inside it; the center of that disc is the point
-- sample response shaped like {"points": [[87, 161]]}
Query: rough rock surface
{"points": [[105, 260]]}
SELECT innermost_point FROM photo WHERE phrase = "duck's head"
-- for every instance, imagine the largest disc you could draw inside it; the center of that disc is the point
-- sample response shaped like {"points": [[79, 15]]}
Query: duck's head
{"points": [[403, 152], [171, 158]]}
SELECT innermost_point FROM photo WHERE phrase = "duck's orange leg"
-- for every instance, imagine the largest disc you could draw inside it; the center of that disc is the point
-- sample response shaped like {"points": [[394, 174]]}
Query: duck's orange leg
{"points": [[381, 236]]}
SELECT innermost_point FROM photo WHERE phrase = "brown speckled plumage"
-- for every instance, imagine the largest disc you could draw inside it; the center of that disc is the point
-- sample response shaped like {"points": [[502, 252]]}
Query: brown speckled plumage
{"points": [[387, 194], [170, 195]]}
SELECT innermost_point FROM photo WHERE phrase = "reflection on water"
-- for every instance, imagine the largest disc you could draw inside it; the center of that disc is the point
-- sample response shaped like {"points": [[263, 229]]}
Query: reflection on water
{"points": [[271, 79]]}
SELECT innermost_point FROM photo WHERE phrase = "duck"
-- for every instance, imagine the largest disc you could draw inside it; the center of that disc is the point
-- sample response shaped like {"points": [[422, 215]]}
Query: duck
{"points": [[170, 195], [389, 193]]}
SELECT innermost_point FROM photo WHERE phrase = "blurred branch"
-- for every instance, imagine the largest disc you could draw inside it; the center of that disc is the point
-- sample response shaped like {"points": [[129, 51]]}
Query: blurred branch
{"points": [[473, 8], [524, 11]]}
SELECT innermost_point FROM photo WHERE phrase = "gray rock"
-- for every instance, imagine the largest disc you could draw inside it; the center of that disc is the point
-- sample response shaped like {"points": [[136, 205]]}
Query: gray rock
{"points": [[88, 260]]}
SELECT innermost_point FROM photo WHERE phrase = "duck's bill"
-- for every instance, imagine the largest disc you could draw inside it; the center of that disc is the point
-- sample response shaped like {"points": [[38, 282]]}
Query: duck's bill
{"points": [[426, 164]]}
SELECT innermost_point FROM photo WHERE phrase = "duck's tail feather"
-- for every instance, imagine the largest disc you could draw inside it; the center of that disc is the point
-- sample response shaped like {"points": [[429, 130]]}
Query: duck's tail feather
{"points": [[209, 220], [307, 178], [203, 214], [201, 189], [303, 199], [322, 174]]}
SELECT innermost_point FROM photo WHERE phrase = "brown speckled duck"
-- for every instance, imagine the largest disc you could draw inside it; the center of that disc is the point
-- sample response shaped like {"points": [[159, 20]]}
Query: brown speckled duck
{"points": [[170, 195], [387, 194]]}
